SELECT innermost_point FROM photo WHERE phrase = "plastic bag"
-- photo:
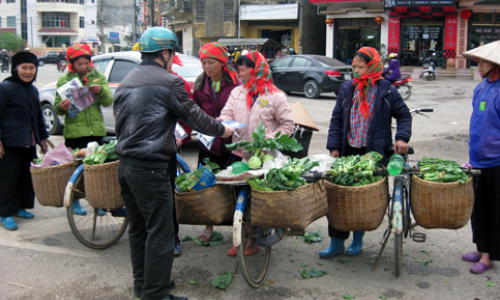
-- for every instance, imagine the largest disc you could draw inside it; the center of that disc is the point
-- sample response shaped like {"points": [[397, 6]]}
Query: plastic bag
{"points": [[91, 148], [57, 156]]}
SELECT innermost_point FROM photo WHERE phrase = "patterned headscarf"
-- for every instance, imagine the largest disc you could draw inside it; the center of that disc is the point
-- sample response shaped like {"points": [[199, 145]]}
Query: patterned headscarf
{"points": [[76, 51], [262, 81], [219, 52], [363, 83]]}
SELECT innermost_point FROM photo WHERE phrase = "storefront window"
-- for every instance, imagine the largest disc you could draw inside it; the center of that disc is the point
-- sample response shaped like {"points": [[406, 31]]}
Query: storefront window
{"points": [[421, 38], [352, 34], [483, 29]]}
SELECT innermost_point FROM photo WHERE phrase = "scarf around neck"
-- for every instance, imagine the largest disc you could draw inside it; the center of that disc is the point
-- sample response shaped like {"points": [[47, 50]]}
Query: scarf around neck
{"points": [[363, 83], [261, 81], [219, 52], [76, 51]]}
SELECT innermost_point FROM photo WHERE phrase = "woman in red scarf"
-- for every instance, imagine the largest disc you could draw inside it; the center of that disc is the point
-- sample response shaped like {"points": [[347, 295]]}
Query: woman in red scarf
{"points": [[361, 122], [87, 125], [257, 100], [211, 92]]}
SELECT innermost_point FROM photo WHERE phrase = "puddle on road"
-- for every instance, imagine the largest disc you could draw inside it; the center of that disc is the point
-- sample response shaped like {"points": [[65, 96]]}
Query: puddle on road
{"points": [[458, 137], [423, 285], [51, 242]]}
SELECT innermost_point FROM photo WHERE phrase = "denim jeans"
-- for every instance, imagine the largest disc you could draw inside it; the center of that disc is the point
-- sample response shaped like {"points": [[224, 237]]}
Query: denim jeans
{"points": [[148, 198]]}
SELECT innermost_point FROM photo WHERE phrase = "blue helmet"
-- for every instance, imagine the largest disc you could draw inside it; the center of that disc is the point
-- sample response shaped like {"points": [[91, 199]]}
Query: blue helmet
{"points": [[156, 39]]}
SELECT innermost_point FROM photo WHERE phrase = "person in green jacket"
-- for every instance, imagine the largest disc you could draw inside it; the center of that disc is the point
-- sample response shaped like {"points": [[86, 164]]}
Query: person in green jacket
{"points": [[88, 125]]}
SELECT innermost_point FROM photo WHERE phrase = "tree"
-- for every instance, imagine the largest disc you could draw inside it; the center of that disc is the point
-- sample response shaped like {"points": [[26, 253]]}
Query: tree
{"points": [[11, 41]]}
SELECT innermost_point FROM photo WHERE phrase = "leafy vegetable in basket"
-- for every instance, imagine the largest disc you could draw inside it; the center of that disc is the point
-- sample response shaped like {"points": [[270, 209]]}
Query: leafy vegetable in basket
{"points": [[441, 170], [280, 142], [355, 170], [185, 182], [102, 153], [284, 178]]}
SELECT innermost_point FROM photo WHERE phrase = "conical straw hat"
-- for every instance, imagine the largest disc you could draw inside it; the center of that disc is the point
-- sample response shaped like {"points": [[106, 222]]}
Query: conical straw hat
{"points": [[489, 52], [302, 117]]}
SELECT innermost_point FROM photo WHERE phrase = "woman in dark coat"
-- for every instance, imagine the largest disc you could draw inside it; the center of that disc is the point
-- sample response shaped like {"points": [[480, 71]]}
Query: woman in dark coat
{"points": [[22, 126], [211, 91]]}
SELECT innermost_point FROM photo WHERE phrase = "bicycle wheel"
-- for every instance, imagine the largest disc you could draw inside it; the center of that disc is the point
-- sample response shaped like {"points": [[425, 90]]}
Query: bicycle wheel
{"points": [[254, 267], [397, 219], [94, 230]]}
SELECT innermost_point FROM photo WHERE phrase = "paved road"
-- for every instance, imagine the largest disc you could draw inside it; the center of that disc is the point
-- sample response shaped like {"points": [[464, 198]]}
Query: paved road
{"points": [[43, 260]]}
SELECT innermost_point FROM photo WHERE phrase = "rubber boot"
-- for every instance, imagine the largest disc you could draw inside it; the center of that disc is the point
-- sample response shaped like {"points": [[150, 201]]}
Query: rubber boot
{"points": [[78, 209], [357, 242], [336, 248], [9, 223]]}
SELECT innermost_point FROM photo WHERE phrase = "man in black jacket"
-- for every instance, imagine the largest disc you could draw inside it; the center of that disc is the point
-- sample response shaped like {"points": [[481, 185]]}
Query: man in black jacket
{"points": [[147, 105], [4, 57]]}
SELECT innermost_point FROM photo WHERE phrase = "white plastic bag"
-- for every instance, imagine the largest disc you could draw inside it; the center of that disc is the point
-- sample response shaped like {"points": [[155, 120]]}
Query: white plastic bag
{"points": [[91, 148], [57, 156]]}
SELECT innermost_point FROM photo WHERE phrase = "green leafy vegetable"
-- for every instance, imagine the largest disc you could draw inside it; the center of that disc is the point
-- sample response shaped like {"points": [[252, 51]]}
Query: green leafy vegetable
{"points": [[184, 182], [313, 237], [215, 240], [102, 153], [355, 170], [442, 170], [313, 273], [223, 282]]}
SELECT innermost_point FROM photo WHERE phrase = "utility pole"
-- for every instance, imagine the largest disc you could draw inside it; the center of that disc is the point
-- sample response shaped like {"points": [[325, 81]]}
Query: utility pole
{"points": [[101, 24], [152, 12], [134, 24]]}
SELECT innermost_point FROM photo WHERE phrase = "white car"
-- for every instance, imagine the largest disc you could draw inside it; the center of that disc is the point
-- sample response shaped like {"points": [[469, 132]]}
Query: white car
{"points": [[114, 66]]}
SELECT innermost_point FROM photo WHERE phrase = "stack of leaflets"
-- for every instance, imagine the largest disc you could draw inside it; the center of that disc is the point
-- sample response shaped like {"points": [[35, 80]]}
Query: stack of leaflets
{"points": [[207, 140], [78, 94]]}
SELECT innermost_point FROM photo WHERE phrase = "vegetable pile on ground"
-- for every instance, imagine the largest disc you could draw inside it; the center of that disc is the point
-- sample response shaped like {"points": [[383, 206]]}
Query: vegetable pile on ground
{"points": [[102, 153], [184, 182], [284, 178], [355, 170], [441, 170], [259, 143]]}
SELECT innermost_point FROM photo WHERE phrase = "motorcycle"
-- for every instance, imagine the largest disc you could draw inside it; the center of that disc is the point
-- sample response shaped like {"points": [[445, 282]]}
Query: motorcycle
{"points": [[3, 67], [404, 87], [429, 67]]}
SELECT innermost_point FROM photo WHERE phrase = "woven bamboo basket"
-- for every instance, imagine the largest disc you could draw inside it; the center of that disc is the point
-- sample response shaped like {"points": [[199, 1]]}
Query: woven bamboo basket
{"points": [[50, 182], [359, 208], [294, 209], [210, 206], [102, 187], [441, 205]]}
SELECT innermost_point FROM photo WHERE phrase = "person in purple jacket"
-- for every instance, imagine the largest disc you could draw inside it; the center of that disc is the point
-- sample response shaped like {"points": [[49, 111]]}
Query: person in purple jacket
{"points": [[211, 91], [392, 73], [484, 153]]}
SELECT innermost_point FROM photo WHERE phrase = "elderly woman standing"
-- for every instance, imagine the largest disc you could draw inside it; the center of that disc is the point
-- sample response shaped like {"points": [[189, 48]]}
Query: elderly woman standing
{"points": [[484, 153], [257, 100], [211, 92], [21, 127]]}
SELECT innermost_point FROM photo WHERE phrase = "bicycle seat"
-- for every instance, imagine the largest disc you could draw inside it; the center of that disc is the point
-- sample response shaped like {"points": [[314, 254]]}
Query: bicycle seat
{"points": [[107, 139]]}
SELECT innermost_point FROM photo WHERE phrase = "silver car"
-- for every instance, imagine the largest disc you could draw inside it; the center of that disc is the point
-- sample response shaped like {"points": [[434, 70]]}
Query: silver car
{"points": [[114, 66]]}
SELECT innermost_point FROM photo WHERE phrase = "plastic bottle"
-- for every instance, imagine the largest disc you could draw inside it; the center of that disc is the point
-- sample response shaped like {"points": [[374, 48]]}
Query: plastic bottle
{"points": [[395, 165]]}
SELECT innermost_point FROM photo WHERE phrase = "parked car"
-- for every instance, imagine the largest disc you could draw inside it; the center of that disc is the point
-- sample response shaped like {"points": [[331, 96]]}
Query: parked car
{"points": [[114, 66], [310, 74], [49, 58]]}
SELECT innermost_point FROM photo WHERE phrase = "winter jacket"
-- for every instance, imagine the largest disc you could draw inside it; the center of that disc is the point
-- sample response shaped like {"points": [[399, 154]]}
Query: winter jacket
{"points": [[147, 104], [388, 105], [484, 141], [90, 121], [20, 115], [204, 97], [393, 70], [272, 109]]}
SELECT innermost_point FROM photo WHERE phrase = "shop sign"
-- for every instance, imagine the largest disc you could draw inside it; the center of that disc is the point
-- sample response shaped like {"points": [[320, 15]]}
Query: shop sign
{"points": [[393, 45], [450, 36], [140, 18], [397, 3], [114, 37]]}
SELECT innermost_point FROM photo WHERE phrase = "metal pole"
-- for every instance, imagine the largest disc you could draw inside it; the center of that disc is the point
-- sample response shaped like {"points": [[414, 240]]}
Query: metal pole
{"points": [[134, 24], [152, 12], [31, 21], [239, 15]]}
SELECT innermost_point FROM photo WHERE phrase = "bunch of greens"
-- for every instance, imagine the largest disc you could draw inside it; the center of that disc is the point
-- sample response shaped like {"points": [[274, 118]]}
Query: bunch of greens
{"points": [[441, 170], [102, 153], [284, 178], [313, 273], [280, 142], [356, 170], [184, 182]]}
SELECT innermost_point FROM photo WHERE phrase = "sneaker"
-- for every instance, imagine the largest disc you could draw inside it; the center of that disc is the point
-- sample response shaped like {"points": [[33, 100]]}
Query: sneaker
{"points": [[78, 209], [177, 248], [24, 214], [9, 223]]}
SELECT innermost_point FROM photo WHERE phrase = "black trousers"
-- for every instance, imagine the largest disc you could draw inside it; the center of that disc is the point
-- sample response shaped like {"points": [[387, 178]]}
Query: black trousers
{"points": [[149, 202], [332, 232], [486, 213], [16, 187], [81, 142], [172, 171]]}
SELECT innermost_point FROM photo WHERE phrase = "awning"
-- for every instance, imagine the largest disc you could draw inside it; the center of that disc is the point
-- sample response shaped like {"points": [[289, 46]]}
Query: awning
{"points": [[249, 42], [57, 31], [420, 8], [269, 12]]}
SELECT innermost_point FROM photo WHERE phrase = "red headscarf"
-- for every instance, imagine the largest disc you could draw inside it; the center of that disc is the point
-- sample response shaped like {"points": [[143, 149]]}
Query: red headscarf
{"points": [[76, 51], [262, 81], [217, 51], [362, 83]]}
